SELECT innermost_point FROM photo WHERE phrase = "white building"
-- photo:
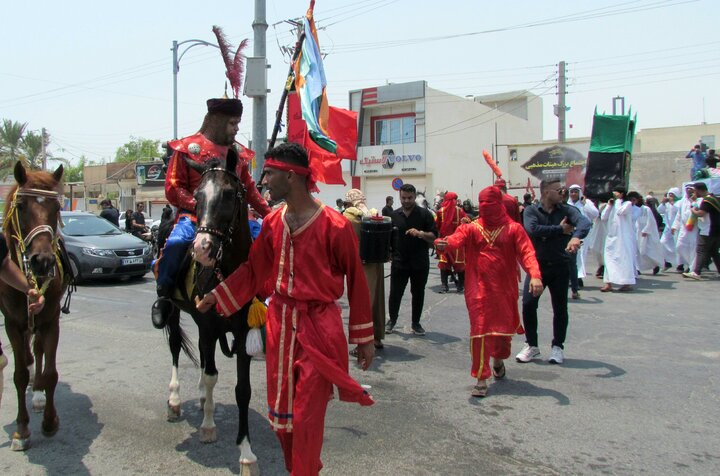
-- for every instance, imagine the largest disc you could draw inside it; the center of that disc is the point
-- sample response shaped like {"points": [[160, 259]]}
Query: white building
{"points": [[412, 133]]}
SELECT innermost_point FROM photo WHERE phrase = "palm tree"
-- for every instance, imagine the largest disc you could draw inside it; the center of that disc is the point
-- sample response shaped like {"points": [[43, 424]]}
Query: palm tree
{"points": [[32, 148], [11, 133]]}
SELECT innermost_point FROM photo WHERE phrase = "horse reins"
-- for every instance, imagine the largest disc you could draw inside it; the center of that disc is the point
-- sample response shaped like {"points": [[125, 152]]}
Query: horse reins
{"points": [[22, 244]]}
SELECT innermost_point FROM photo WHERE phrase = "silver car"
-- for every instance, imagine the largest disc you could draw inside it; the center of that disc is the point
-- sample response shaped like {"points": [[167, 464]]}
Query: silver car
{"points": [[98, 249]]}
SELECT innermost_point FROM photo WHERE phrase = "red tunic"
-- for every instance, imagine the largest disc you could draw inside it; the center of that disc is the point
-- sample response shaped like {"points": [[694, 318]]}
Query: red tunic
{"points": [[447, 221], [491, 290], [308, 268], [182, 180], [511, 207]]}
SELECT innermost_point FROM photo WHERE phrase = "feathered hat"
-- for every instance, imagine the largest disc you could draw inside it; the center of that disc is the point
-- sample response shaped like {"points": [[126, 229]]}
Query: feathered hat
{"points": [[234, 68]]}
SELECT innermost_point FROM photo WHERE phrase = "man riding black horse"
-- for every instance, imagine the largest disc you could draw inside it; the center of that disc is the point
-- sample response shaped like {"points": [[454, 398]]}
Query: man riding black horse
{"points": [[215, 137]]}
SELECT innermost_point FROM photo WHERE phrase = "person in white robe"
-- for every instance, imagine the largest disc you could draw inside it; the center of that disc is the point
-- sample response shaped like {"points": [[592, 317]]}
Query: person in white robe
{"points": [[619, 243], [685, 239], [650, 251], [589, 210], [595, 241], [668, 210]]}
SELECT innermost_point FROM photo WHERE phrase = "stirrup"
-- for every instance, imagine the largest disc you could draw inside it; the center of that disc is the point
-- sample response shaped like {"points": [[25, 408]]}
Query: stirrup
{"points": [[160, 312]]}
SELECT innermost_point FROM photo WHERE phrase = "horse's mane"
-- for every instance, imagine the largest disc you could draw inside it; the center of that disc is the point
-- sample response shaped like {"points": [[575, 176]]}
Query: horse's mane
{"points": [[39, 179]]}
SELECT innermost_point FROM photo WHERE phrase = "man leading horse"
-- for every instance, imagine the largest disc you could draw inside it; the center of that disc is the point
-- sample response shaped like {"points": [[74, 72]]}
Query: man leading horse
{"points": [[215, 137]]}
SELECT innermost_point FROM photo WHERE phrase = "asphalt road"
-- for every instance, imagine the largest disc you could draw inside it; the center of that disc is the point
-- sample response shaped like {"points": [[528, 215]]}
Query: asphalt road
{"points": [[637, 394]]}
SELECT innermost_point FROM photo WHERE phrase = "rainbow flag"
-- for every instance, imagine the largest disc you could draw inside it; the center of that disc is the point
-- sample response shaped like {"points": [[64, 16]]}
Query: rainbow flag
{"points": [[310, 85]]}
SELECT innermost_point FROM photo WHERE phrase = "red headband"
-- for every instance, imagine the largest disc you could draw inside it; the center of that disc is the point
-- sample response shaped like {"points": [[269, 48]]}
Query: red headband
{"points": [[304, 171]]}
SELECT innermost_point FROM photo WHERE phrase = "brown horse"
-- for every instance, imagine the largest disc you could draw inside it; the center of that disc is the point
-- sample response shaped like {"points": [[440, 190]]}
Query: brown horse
{"points": [[32, 214]]}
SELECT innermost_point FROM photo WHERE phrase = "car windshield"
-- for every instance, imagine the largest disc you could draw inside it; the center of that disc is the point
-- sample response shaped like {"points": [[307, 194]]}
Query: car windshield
{"points": [[88, 225]]}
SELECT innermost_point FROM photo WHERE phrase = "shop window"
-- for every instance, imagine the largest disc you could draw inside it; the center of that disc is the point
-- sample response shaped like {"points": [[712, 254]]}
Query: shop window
{"points": [[397, 129]]}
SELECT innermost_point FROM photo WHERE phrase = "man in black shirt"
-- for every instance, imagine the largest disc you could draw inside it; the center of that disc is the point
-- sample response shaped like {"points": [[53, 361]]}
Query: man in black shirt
{"points": [[556, 230], [707, 244], [388, 209], [410, 258], [711, 160], [138, 220], [110, 213]]}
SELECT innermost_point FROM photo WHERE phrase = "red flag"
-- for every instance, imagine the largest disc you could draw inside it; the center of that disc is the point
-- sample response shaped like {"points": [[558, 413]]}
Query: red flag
{"points": [[342, 127], [529, 189]]}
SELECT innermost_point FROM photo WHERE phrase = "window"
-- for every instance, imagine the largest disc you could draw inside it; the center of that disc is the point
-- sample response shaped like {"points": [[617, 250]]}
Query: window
{"points": [[394, 129]]}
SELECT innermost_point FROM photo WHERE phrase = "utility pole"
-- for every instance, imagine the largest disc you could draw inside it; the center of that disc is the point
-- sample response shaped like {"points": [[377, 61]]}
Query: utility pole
{"points": [[259, 131], [44, 153], [560, 108]]}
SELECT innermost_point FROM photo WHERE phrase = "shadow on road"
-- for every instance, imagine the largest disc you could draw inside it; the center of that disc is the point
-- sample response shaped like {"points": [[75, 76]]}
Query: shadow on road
{"points": [[64, 453], [392, 353], [612, 370], [519, 388], [224, 453]]}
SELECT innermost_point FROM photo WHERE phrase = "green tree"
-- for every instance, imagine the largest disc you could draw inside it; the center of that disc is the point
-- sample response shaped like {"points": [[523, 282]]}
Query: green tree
{"points": [[11, 134], [31, 147], [138, 149], [73, 173]]}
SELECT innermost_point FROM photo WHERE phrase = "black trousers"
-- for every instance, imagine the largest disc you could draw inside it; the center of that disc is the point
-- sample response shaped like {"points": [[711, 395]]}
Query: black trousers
{"points": [[555, 278], [398, 282], [706, 248], [572, 266]]}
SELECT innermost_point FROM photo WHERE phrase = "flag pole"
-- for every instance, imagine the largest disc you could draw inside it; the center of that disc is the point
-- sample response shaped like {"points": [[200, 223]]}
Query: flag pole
{"points": [[286, 90]]}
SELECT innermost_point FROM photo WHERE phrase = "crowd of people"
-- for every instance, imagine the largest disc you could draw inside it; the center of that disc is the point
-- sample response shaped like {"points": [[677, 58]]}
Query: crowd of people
{"points": [[553, 238]]}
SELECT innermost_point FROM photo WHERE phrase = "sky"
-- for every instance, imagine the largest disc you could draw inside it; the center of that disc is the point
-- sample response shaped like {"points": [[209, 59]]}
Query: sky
{"points": [[95, 74]]}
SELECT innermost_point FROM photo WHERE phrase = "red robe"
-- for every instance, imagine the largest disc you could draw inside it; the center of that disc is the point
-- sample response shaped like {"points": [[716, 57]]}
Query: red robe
{"points": [[308, 269], [447, 221], [512, 207], [181, 180], [491, 288]]}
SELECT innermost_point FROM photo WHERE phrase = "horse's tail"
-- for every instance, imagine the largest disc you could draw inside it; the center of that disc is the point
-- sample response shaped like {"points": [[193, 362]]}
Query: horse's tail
{"points": [[224, 347], [177, 336]]}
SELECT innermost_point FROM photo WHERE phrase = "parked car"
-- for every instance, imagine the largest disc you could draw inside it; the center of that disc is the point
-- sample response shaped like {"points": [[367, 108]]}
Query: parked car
{"points": [[98, 249]]}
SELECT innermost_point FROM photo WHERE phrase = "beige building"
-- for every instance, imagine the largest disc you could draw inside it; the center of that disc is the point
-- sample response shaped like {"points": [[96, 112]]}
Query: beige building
{"points": [[411, 133]]}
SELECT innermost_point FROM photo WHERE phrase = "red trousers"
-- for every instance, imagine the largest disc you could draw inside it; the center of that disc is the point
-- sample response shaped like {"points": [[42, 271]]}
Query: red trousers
{"points": [[302, 446], [486, 347]]}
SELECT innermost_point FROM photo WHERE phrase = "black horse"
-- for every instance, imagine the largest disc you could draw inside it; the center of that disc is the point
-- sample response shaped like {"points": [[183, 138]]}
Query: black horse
{"points": [[223, 235]]}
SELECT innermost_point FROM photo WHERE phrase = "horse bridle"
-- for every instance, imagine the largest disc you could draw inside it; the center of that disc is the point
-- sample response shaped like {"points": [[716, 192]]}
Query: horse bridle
{"points": [[225, 237], [22, 244]]}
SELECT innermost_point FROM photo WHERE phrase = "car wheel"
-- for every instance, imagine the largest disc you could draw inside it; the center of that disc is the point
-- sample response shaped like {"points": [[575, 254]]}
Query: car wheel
{"points": [[76, 270]]}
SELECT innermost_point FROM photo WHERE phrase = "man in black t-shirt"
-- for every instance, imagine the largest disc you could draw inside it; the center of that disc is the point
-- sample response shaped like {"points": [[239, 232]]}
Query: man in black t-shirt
{"points": [[410, 258], [138, 220], [388, 209], [708, 245], [711, 160], [110, 213]]}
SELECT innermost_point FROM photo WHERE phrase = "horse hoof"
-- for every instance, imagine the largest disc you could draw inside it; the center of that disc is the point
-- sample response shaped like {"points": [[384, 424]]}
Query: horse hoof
{"points": [[38, 402], [20, 444], [173, 413], [249, 469], [50, 428], [208, 435]]}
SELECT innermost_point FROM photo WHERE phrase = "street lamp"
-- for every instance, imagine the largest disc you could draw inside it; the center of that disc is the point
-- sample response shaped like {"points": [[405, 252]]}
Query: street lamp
{"points": [[176, 68]]}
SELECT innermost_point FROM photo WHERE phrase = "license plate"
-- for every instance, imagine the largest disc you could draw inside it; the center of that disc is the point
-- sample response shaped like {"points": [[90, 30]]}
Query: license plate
{"points": [[132, 261]]}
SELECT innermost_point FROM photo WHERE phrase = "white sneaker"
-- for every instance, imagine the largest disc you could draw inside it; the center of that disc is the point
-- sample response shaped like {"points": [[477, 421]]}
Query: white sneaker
{"points": [[692, 275], [556, 355], [527, 354]]}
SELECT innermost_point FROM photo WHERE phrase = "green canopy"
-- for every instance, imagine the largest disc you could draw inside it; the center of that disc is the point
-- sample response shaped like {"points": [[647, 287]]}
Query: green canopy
{"points": [[612, 134]]}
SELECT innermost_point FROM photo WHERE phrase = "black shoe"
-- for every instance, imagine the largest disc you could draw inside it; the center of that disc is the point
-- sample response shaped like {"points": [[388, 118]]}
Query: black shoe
{"points": [[680, 269], [390, 326], [418, 330], [667, 266], [461, 289], [581, 284], [656, 270], [444, 289], [160, 312]]}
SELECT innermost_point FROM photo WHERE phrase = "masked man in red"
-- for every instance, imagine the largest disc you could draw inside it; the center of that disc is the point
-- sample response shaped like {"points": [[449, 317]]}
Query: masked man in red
{"points": [[494, 246], [448, 218], [216, 136], [512, 207], [306, 250]]}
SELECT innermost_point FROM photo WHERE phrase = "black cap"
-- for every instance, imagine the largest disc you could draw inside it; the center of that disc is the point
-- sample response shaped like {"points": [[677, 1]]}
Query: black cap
{"points": [[230, 107], [619, 188], [700, 186]]}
